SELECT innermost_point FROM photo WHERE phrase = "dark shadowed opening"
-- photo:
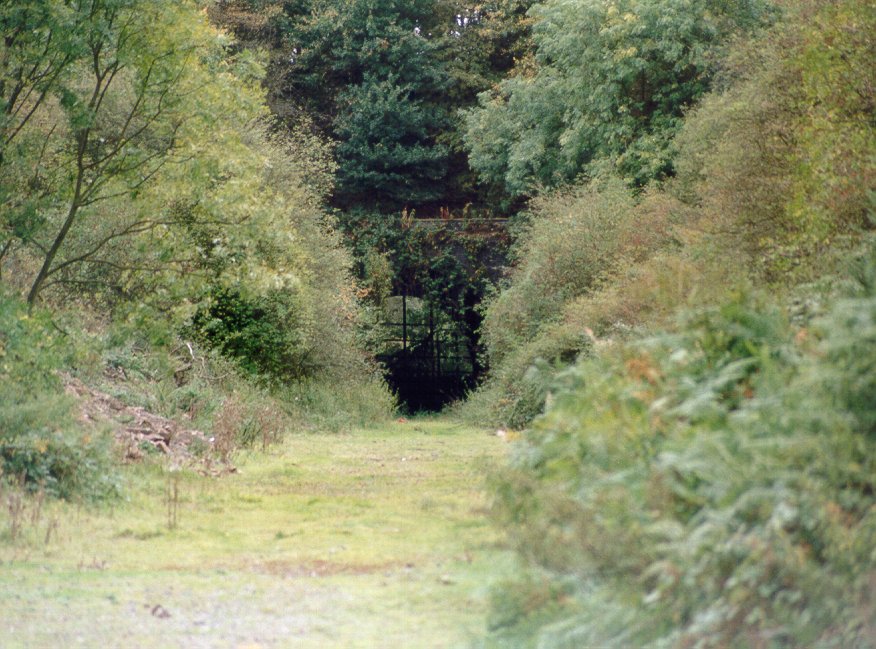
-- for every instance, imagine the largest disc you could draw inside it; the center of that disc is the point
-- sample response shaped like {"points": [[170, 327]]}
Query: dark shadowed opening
{"points": [[430, 359]]}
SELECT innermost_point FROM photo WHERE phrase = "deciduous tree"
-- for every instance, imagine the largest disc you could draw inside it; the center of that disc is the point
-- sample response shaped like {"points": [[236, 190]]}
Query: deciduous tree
{"points": [[612, 84]]}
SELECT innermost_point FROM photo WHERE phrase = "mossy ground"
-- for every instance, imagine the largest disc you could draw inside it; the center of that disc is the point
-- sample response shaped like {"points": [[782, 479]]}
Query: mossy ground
{"points": [[375, 538]]}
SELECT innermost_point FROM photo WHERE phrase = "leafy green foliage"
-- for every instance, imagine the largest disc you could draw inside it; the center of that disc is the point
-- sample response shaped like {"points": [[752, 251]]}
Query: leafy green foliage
{"points": [[143, 190], [141, 86], [739, 161], [772, 175], [423, 60], [612, 82], [337, 45], [576, 244], [833, 164], [849, 350], [368, 71], [387, 153], [517, 388], [572, 243], [159, 189], [709, 487], [42, 40], [713, 486], [486, 42], [261, 334], [383, 80], [41, 443], [482, 43]]}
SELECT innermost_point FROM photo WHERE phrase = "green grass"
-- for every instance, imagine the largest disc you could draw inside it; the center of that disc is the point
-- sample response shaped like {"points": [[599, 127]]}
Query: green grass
{"points": [[373, 538]]}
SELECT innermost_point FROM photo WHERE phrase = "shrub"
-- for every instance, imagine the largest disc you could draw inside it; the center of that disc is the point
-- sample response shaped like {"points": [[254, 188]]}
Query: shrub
{"points": [[518, 388], [211, 392], [574, 240], [263, 334], [779, 162], [41, 441], [585, 265], [712, 487], [648, 295]]}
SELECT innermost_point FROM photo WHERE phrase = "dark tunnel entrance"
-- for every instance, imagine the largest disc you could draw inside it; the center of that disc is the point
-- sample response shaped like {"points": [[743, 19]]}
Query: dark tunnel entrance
{"points": [[427, 333], [430, 358]]}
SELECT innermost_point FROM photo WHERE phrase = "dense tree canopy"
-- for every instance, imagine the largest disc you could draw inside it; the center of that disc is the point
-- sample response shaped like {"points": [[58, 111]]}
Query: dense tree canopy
{"points": [[137, 173], [123, 109], [612, 82], [368, 72], [385, 80]]}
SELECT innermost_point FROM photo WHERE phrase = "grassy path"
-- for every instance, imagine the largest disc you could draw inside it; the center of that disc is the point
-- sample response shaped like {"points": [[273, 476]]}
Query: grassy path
{"points": [[371, 539]]}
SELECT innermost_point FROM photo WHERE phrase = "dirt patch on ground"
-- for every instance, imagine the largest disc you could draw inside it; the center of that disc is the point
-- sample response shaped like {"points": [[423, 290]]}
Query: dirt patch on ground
{"points": [[320, 568], [139, 432]]}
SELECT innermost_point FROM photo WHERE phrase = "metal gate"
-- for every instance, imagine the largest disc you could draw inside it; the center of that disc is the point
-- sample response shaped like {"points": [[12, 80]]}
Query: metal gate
{"points": [[429, 360]]}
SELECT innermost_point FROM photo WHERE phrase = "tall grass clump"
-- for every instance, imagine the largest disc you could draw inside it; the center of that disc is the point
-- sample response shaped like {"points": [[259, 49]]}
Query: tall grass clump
{"points": [[327, 406], [712, 487]]}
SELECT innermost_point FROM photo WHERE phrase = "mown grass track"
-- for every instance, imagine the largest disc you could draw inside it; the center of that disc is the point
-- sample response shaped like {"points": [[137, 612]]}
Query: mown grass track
{"points": [[375, 538]]}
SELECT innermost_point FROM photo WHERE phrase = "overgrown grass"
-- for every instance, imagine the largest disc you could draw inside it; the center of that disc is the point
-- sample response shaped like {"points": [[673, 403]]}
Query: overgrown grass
{"points": [[46, 444], [375, 538], [182, 380]]}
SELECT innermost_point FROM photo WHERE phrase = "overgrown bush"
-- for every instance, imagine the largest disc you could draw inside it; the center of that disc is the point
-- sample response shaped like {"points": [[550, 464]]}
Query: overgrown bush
{"points": [[573, 242], [779, 163], [145, 183], [518, 387], [41, 441], [262, 334], [713, 487], [210, 392], [647, 295], [582, 267], [321, 405], [768, 188]]}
